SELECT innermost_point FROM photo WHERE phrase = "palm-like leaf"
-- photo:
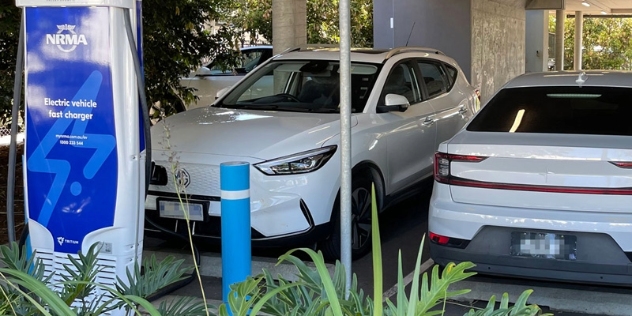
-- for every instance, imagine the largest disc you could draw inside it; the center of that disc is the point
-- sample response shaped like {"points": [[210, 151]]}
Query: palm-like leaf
{"points": [[50, 301], [520, 308], [317, 293], [189, 306], [80, 276], [12, 256], [157, 275]]}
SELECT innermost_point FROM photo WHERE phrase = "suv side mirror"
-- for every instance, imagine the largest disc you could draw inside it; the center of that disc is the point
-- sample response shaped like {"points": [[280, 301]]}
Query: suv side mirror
{"points": [[202, 71], [393, 102]]}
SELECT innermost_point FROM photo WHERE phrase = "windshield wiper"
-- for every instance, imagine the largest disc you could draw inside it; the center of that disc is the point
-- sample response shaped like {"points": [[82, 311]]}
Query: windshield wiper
{"points": [[256, 106], [325, 110]]}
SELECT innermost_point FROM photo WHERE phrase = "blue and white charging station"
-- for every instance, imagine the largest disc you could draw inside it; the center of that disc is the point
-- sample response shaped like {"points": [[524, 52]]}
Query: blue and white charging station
{"points": [[85, 151]]}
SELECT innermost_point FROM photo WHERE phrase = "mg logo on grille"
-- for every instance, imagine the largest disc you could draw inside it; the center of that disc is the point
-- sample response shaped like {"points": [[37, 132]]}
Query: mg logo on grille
{"points": [[183, 178]]}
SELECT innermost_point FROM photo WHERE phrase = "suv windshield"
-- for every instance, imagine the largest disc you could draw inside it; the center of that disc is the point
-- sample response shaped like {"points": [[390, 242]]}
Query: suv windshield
{"points": [[304, 86], [558, 110]]}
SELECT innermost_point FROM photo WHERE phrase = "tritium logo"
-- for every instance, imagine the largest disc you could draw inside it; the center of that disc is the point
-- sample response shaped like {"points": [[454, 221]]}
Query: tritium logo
{"points": [[62, 241], [66, 39]]}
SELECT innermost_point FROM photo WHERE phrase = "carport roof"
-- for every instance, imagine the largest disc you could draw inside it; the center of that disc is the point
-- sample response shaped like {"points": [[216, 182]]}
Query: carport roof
{"points": [[603, 7]]}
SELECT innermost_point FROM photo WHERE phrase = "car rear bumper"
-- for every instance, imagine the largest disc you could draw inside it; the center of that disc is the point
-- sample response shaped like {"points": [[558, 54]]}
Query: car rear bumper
{"points": [[483, 235], [618, 273], [464, 221]]}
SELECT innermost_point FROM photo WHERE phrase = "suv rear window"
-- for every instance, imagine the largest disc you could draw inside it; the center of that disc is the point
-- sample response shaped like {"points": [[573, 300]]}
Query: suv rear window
{"points": [[452, 73], [558, 110]]}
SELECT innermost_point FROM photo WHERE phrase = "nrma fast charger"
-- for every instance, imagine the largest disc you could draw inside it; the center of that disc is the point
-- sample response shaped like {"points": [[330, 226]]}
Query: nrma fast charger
{"points": [[85, 158]]}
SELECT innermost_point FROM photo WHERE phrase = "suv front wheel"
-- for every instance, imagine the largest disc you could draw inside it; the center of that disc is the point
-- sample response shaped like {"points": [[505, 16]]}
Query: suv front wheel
{"points": [[360, 221]]}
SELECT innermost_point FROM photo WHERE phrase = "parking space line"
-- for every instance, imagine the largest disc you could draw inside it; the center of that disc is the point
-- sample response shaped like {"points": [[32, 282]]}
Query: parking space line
{"points": [[407, 279]]}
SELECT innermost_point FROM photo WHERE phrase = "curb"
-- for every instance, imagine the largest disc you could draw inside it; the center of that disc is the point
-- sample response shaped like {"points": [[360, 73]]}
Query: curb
{"points": [[567, 300], [211, 264]]}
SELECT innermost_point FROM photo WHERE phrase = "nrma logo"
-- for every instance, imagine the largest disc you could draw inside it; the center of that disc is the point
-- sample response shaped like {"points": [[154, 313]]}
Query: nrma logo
{"points": [[66, 39]]}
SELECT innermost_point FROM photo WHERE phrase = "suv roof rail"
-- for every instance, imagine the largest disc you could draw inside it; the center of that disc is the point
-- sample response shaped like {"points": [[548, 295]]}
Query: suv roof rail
{"points": [[307, 47], [310, 47], [405, 49], [319, 46]]}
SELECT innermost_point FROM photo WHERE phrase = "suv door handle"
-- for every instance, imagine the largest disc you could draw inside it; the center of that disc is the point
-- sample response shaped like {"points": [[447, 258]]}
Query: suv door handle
{"points": [[463, 110], [428, 121]]}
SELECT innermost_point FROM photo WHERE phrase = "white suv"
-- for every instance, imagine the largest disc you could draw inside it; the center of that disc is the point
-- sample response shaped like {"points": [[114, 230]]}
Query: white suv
{"points": [[283, 118]]}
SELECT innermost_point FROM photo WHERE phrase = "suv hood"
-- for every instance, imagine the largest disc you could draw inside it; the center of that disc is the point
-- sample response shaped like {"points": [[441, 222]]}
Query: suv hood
{"points": [[260, 134]]}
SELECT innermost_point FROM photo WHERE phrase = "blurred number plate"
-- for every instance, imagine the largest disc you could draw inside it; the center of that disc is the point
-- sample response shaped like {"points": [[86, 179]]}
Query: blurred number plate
{"points": [[544, 245], [170, 209]]}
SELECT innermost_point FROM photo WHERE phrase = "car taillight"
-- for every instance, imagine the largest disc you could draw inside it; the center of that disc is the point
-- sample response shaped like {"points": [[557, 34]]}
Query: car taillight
{"points": [[443, 161], [448, 241], [622, 164], [438, 239], [443, 174]]}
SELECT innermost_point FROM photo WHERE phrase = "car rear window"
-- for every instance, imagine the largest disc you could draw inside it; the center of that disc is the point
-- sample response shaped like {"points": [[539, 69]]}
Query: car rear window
{"points": [[558, 110]]}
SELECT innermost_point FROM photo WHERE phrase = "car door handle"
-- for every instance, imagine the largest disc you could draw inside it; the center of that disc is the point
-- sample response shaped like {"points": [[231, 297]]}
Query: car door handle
{"points": [[428, 121], [463, 110]]}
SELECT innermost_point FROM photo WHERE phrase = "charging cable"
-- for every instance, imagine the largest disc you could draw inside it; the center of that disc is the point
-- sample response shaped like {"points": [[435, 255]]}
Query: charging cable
{"points": [[17, 94]]}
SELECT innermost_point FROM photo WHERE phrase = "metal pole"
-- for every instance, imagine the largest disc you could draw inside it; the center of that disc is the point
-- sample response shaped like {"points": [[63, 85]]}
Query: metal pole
{"points": [[345, 139], [559, 40], [579, 30], [234, 180]]}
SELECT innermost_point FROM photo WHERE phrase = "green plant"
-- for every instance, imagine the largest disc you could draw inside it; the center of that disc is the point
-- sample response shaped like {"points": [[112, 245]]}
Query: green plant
{"points": [[26, 289], [176, 38], [9, 31], [520, 308], [606, 42], [316, 292], [182, 197], [255, 17]]}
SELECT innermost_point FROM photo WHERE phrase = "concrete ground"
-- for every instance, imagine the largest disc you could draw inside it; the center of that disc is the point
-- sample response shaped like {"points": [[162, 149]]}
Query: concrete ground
{"points": [[559, 299], [402, 228]]}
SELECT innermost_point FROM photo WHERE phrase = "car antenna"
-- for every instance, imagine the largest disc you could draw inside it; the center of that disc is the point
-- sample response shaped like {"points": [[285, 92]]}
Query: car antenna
{"points": [[411, 33]]}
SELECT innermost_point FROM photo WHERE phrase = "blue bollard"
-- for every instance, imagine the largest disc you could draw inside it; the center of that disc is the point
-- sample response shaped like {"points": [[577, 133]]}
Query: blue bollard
{"points": [[235, 218]]}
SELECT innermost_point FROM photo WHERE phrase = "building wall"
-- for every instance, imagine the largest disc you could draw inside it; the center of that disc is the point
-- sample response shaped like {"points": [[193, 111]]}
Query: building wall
{"points": [[441, 24], [537, 41], [486, 37], [382, 30], [498, 43]]}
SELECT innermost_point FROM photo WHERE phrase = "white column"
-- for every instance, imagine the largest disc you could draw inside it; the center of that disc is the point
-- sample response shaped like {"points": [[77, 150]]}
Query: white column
{"points": [[289, 24], [537, 41], [579, 30], [559, 40]]}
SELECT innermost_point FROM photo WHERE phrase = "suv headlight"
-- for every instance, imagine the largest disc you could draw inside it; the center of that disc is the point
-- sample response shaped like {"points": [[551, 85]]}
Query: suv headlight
{"points": [[302, 162]]}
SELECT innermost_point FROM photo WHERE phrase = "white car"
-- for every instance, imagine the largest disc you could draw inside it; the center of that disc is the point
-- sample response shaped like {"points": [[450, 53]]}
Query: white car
{"points": [[539, 183], [283, 119], [210, 78]]}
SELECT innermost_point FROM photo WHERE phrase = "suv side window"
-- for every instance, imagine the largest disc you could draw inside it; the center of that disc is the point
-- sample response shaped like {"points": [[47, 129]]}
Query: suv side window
{"points": [[402, 80], [434, 78]]}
